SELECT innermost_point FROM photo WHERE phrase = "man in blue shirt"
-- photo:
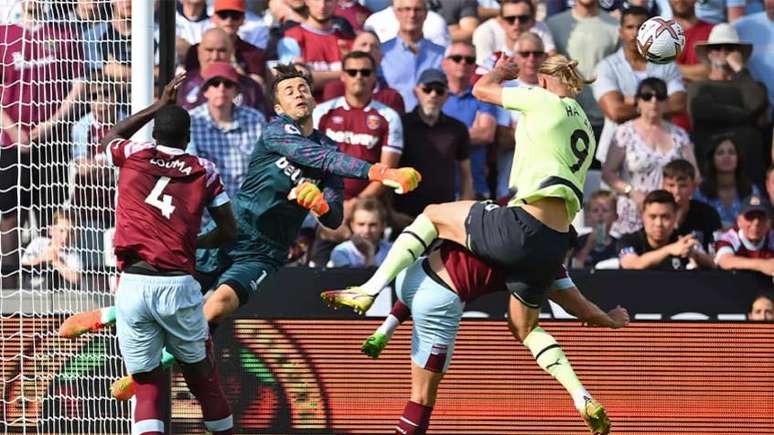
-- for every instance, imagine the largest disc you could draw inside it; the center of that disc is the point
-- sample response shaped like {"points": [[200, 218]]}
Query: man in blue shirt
{"points": [[480, 118], [409, 53], [758, 29]]}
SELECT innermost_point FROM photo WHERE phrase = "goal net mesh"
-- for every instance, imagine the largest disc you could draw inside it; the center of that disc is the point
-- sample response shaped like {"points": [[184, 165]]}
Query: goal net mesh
{"points": [[64, 80]]}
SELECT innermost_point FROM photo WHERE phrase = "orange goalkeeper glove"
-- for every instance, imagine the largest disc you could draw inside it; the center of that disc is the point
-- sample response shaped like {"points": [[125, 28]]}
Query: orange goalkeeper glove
{"points": [[309, 196], [403, 180]]}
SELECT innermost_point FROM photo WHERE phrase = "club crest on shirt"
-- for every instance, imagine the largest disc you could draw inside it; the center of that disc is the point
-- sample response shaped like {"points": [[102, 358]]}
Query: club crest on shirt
{"points": [[373, 122], [292, 129]]}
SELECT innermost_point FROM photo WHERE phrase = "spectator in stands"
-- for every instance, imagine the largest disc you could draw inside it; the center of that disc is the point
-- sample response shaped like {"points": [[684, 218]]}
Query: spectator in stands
{"points": [[436, 145], [217, 46], [38, 63], [318, 43], [51, 262], [720, 11], [366, 248], [619, 74], [362, 128], [756, 29], [192, 21], [386, 23], [725, 185], [498, 35], [368, 42], [355, 13], [222, 131], [529, 55], [459, 65], [693, 217], [729, 100], [657, 245], [247, 58], [598, 244], [696, 30], [461, 17], [640, 149], [409, 54], [750, 245], [770, 183], [586, 34], [762, 308]]}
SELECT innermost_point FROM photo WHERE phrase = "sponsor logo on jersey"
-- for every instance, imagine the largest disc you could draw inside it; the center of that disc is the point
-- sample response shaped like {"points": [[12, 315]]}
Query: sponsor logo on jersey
{"points": [[367, 140], [172, 164], [295, 174], [373, 122], [337, 119]]}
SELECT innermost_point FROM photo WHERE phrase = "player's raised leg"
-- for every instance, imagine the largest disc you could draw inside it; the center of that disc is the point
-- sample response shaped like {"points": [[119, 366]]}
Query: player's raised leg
{"points": [[445, 221], [523, 322]]}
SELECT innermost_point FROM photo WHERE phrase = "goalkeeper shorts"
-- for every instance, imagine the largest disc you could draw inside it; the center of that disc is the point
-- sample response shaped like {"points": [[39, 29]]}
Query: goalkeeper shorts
{"points": [[159, 311]]}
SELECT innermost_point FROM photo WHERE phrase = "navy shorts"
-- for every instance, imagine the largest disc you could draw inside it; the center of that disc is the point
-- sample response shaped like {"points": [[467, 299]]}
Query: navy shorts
{"points": [[530, 252]]}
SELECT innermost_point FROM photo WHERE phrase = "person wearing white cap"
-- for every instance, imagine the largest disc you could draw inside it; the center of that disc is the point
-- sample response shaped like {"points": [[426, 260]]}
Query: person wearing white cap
{"points": [[758, 29], [730, 99]]}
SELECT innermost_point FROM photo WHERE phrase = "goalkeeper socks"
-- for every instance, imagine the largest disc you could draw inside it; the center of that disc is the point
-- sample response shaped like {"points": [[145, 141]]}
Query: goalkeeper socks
{"points": [[152, 396], [550, 357], [415, 419], [409, 245], [399, 313]]}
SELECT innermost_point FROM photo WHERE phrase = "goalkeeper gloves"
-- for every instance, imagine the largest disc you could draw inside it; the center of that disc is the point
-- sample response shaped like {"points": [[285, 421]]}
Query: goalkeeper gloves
{"points": [[309, 196], [403, 180]]}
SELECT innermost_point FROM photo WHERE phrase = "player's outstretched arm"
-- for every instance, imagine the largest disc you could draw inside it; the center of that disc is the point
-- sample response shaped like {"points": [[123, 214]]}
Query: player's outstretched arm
{"points": [[333, 192], [225, 231], [129, 126], [488, 88], [573, 301]]}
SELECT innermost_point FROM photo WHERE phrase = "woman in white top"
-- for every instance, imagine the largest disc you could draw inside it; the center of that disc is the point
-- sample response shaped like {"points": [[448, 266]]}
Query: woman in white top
{"points": [[639, 151]]}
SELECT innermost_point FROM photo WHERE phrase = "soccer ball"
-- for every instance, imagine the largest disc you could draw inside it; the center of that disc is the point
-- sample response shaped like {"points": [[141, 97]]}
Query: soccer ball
{"points": [[660, 40]]}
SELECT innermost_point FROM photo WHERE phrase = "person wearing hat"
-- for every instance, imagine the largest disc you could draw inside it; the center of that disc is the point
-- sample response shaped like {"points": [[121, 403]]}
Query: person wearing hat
{"points": [[435, 144], [229, 15], [750, 245], [223, 131], [729, 100]]}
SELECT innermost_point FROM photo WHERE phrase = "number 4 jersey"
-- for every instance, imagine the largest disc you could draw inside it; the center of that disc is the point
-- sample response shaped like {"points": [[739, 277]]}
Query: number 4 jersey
{"points": [[554, 147], [162, 193]]}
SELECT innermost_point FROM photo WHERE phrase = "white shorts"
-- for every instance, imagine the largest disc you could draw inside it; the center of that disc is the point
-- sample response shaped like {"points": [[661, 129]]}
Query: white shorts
{"points": [[153, 312], [436, 311]]}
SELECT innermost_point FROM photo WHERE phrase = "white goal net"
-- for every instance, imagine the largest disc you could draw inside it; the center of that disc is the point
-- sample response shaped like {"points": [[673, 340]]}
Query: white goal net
{"points": [[64, 79]]}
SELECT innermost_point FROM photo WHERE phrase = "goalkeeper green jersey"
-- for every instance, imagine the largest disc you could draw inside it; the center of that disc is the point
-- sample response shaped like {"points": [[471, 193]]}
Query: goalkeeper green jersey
{"points": [[554, 147]]}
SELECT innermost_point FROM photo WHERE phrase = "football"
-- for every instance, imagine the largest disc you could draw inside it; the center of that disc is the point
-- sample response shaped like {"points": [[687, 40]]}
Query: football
{"points": [[660, 40]]}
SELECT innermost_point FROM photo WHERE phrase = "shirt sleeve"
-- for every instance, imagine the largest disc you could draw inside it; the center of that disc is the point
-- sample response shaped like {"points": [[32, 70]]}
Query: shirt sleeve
{"points": [[673, 79], [288, 50], [562, 280], [525, 99], [333, 192], [216, 193], [339, 257], [393, 142], [34, 249], [119, 149], [286, 139], [605, 81], [627, 245]]}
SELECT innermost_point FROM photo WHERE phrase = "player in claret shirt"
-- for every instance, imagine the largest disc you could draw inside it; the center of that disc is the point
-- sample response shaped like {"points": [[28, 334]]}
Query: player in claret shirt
{"points": [[294, 169], [162, 192], [435, 289]]}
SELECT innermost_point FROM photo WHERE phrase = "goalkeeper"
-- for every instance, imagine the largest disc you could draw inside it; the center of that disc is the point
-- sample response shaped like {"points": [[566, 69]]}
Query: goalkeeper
{"points": [[294, 169]]}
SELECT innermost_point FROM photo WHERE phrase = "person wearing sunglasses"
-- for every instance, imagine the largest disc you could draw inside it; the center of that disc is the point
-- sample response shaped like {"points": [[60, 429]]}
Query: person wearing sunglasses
{"points": [[500, 33], [459, 66], [223, 131], [530, 237], [363, 128], [229, 16], [639, 151], [619, 74]]}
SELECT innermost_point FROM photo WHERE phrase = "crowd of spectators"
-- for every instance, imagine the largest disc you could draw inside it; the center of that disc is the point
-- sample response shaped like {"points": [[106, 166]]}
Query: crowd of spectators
{"points": [[680, 179]]}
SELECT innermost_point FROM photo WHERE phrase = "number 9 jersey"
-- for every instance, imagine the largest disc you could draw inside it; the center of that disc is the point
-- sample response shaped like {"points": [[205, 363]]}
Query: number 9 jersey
{"points": [[162, 193], [554, 147]]}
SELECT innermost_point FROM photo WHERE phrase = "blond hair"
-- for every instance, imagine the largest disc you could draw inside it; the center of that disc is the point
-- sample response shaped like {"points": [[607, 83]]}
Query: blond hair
{"points": [[566, 71]]}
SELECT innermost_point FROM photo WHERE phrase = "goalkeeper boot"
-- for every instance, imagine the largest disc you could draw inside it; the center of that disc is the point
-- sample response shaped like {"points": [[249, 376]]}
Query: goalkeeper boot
{"points": [[88, 321], [594, 415], [353, 297], [375, 344], [124, 388]]}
